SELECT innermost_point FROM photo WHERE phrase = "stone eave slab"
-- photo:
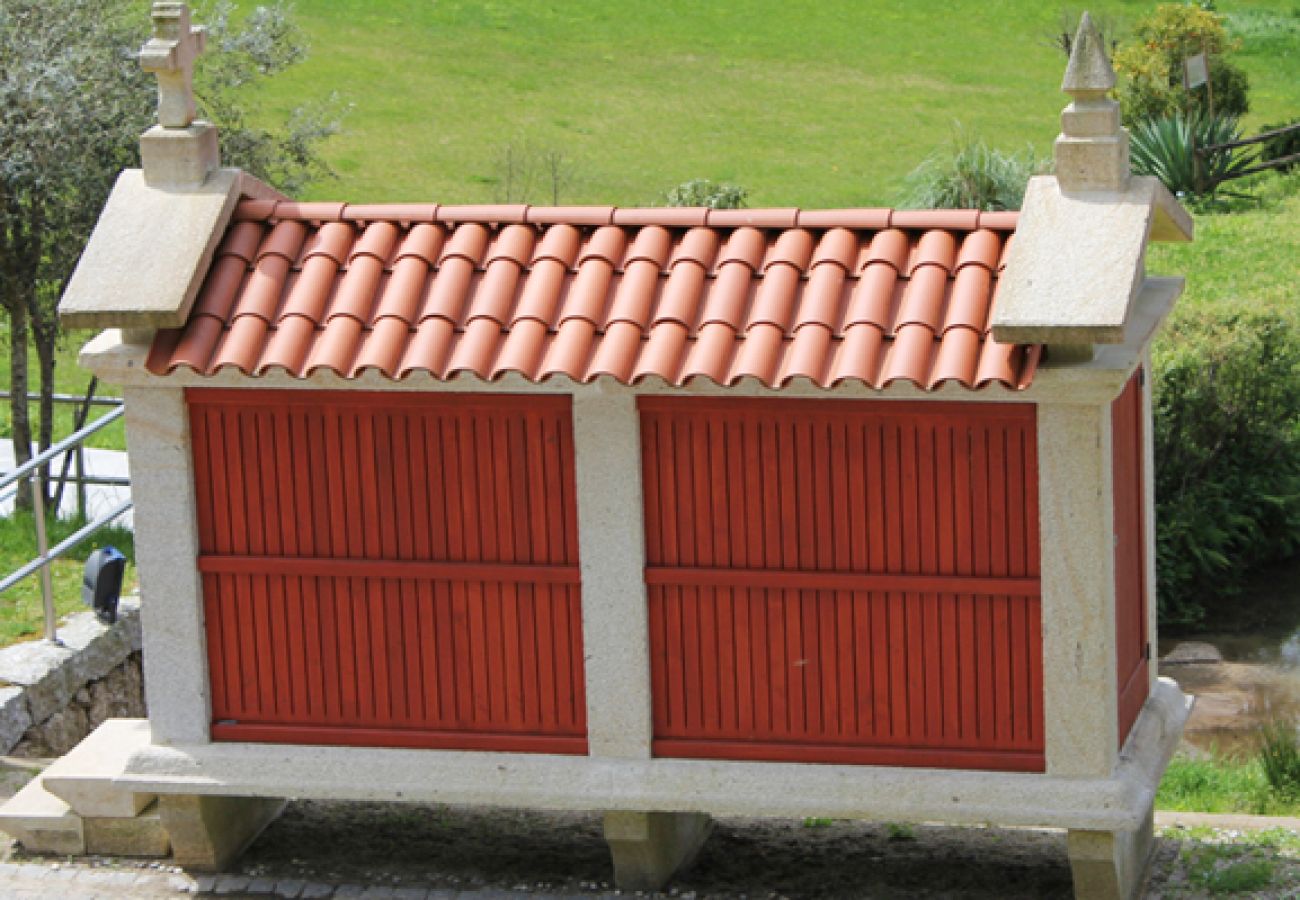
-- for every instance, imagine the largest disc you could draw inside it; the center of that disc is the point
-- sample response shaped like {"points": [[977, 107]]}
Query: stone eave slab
{"points": [[1077, 262], [150, 250]]}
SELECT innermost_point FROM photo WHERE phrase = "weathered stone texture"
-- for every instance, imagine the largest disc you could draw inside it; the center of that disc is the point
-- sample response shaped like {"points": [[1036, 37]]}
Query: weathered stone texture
{"points": [[120, 694]]}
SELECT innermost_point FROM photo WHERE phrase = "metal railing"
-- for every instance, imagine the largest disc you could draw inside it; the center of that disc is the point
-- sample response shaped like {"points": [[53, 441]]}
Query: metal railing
{"points": [[31, 470]]}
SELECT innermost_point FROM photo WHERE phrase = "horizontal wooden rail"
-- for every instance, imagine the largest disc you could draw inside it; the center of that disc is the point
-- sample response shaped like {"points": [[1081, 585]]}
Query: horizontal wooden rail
{"points": [[841, 581], [1264, 166], [1256, 139], [388, 568], [876, 755], [413, 738]]}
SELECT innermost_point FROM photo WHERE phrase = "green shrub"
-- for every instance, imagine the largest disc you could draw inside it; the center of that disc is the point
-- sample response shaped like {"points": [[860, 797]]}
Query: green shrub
{"points": [[968, 174], [1150, 65], [1281, 145], [1227, 450], [1165, 148], [703, 192], [1279, 758]]}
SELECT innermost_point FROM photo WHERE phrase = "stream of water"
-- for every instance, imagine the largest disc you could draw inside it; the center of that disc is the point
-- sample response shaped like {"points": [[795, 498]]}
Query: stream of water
{"points": [[1259, 679]]}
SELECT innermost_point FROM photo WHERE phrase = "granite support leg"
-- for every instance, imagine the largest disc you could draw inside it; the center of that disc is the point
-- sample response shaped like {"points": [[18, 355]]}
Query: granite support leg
{"points": [[1111, 865], [209, 833], [650, 847]]}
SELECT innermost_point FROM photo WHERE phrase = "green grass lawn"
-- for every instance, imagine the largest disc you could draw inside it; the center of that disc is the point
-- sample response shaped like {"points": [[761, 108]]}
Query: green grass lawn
{"points": [[22, 615], [810, 104], [1221, 785], [826, 103]]}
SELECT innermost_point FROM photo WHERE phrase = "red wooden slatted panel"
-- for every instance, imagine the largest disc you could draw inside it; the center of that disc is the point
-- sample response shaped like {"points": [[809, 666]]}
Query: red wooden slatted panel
{"points": [[1130, 551], [852, 582], [390, 570]]}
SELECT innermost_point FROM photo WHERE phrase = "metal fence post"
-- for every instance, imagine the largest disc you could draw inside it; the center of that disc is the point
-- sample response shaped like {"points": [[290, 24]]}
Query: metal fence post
{"points": [[43, 548]]}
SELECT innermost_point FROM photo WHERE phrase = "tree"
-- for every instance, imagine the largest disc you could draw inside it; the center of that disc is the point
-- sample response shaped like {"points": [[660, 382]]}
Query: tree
{"points": [[1151, 66], [73, 103]]}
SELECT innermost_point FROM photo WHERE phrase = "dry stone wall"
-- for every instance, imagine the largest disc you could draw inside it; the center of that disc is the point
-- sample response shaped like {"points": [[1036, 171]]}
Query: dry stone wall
{"points": [[53, 695]]}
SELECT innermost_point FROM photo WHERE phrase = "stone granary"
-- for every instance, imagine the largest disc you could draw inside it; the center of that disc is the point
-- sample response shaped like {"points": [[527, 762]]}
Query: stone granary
{"points": [[641, 511]]}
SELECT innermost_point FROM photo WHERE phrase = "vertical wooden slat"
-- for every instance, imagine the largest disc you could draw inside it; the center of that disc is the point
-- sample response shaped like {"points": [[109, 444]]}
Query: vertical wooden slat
{"points": [[1129, 490], [810, 487], [362, 477]]}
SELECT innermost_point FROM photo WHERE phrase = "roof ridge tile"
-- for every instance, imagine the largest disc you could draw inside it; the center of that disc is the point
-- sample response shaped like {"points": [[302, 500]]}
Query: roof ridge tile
{"points": [[774, 217], [406, 213], [307, 211], [487, 214]]}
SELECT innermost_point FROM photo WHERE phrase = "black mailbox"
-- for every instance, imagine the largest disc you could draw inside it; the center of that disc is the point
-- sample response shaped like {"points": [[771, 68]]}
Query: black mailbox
{"points": [[102, 583]]}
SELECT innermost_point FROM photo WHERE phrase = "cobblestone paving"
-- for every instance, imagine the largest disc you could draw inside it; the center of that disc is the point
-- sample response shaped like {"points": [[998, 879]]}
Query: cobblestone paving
{"points": [[20, 881]]}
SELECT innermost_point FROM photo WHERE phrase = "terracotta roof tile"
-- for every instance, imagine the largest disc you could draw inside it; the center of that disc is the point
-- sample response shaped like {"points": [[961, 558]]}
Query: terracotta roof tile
{"points": [[873, 219], [668, 217], [829, 296], [406, 213], [311, 212], [754, 218]]}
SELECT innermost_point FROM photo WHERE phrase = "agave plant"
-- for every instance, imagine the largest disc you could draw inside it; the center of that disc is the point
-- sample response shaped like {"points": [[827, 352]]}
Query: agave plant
{"points": [[1167, 148]]}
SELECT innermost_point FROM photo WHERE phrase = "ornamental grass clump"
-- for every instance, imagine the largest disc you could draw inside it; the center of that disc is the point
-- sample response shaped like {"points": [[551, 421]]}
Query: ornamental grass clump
{"points": [[969, 174], [1279, 758]]}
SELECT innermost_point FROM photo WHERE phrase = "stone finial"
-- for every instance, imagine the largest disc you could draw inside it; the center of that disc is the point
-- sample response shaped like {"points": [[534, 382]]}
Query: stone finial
{"points": [[179, 152], [170, 55], [1089, 73], [1092, 149]]}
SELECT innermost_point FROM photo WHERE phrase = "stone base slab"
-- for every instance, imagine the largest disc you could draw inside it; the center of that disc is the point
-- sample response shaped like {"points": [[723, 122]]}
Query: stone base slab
{"points": [[75, 807], [43, 823], [141, 835], [84, 778], [1117, 802]]}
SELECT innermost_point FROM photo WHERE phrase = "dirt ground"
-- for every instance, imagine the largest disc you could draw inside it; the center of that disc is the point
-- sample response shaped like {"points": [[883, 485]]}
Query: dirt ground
{"points": [[480, 852], [563, 854]]}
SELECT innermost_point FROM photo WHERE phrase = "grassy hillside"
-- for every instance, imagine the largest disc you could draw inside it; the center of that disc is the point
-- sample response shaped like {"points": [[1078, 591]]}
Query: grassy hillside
{"points": [[812, 104], [826, 103]]}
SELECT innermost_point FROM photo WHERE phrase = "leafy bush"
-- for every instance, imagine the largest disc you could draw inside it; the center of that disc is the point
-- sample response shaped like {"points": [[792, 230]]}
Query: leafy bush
{"points": [[1227, 450], [1165, 148], [1151, 65], [1279, 758], [1281, 145], [968, 174], [703, 192]]}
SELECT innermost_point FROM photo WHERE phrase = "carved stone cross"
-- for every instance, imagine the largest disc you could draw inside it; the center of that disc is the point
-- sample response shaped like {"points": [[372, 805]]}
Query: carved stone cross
{"points": [[170, 55]]}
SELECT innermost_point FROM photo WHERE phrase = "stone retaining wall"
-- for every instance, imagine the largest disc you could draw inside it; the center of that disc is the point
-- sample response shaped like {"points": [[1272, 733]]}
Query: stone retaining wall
{"points": [[53, 695]]}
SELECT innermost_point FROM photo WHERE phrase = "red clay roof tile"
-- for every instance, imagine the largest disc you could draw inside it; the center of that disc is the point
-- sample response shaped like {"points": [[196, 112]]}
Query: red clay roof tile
{"points": [[753, 218], [406, 213], [496, 215], [570, 215], [311, 212], [872, 219], [829, 296], [668, 217]]}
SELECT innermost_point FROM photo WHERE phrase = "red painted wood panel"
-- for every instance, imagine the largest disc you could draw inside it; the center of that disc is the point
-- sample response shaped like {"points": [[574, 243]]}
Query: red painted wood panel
{"points": [[390, 569], [844, 581], [1127, 423]]}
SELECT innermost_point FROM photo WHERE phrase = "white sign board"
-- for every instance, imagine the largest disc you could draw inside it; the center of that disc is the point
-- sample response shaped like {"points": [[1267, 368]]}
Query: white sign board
{"points": [[1196, 70]]}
